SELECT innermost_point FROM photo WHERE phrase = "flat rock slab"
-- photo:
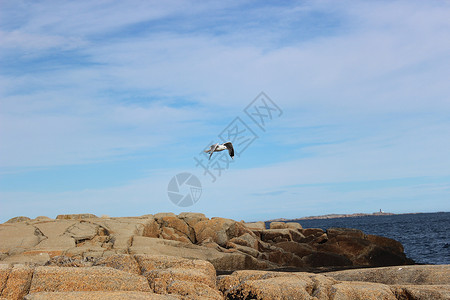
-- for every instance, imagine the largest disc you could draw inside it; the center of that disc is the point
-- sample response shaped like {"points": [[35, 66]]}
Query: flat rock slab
{"points": [[17, 237], [415, 275], [423, 292], [281, 285], [361, 290], [56, 279], [99, 296]]}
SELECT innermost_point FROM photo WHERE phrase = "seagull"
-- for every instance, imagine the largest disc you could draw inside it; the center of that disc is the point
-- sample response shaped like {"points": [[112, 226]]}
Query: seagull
{"points": [[217, 147]]}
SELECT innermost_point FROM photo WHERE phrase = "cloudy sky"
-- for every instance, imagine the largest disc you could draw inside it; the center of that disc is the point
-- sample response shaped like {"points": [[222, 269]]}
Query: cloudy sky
{"points": [[102, 103]]}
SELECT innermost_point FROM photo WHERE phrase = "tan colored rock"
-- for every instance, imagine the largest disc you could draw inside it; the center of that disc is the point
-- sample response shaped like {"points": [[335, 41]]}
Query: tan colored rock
{"points": [[151, 228], [192, 290], [82, 231], [192, 218], [220, 260], [416, 275], [55, 228], [174, 228], [191, 215], [225, 243], [277, 225], [247, 239], [280, 235], [17, 220], [244, 249], [240, 261], [156, 246], [56, 243], [275, 288], [42, 219], [255, 225], [281, 285], [220, 230], [38, 258], [116, 295], [17, 237], [157, 262], [122, 262], [173, 275], [76, 217], [422, 292], [294, 225], [56, 279], [168, 233], [5, 270], [274, 285], [166, 214], [18, 282], [163, 278], [361, 290], [122, 231]]}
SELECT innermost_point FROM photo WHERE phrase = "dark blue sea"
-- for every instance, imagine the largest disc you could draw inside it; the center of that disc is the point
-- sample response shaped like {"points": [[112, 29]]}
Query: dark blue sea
{"points": [[425, 236]]}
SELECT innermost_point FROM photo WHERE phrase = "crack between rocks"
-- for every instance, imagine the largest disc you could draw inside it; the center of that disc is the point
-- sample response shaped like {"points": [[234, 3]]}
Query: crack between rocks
{"points": [[130, 244], [141, 272], [28, 286], [314, 288], [193, 230], [6, 281], [37, 230], [402, 294]]}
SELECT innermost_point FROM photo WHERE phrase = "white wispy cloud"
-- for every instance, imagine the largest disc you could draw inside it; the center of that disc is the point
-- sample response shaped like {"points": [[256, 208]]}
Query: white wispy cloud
{"points": [[363, 87]]}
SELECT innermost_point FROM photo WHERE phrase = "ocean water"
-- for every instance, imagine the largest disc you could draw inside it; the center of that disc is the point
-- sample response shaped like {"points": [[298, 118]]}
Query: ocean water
{"points": [[425, 236]]}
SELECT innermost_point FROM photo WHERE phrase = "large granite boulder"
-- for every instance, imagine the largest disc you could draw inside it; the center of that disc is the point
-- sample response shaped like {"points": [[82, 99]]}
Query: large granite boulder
{"points": [[219, 230], [227, 244]]}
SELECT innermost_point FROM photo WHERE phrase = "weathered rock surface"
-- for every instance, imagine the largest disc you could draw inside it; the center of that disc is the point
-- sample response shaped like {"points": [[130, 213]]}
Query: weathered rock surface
{"points": [[412, 275], [145, 274], [255, 225], [120, 295], [17, 283], [228, 244], [18, 219], [179, 255], [282, 285], [124, 276], [57, 279]]}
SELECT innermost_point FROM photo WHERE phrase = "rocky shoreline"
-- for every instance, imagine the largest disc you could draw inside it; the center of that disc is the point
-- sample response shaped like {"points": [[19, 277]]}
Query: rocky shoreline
{"points": [[189, 256]]}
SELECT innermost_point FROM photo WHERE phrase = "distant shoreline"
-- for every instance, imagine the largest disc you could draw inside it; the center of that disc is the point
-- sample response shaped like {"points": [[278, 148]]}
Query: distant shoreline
{"points": [[337, 216]]}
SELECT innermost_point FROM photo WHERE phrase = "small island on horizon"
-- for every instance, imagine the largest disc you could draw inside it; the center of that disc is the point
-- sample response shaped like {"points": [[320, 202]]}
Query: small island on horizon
{"points": [[334, 216]]}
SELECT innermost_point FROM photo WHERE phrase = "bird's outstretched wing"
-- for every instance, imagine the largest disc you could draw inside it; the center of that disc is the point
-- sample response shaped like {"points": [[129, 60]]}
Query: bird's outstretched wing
{"points": [[230, 148], [213, 148]]}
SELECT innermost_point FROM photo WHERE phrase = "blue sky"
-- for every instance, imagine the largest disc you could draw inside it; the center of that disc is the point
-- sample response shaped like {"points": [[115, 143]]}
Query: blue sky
{"points": [[103, 102]]}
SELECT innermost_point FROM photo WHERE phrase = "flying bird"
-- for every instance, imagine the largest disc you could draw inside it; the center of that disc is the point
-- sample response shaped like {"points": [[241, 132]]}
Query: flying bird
{"points": [[220, 147]]}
